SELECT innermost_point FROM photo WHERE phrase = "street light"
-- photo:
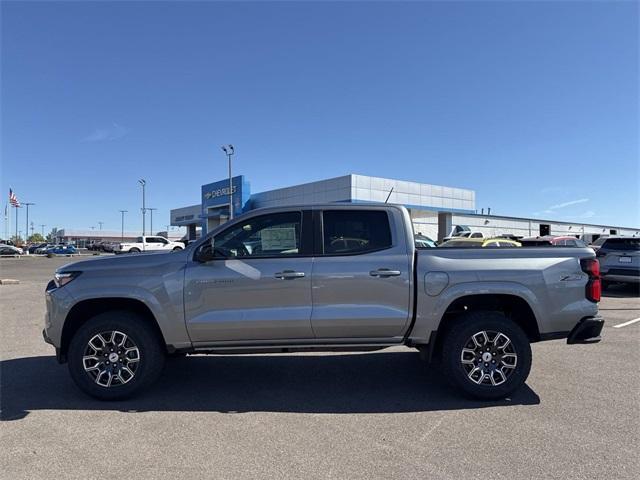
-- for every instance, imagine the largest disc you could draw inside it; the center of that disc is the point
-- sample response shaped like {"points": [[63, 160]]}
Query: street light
{"points": [[100, 223], [142, 183], [151, 222], [26, 204], [122, 234], [228, 150]]}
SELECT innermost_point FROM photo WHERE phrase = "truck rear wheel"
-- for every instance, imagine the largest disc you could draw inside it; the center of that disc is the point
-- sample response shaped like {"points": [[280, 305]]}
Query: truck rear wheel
{"points": [[114, 355], [486, 355]]}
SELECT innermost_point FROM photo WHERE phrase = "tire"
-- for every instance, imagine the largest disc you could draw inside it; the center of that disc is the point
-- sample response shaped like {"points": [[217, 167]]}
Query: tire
{"points": [[486, 375], [96, 375], [176, 248], [134, 250]]}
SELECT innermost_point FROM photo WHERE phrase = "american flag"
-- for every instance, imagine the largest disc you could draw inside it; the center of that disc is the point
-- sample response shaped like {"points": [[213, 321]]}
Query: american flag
{"points": [[13, 200]]}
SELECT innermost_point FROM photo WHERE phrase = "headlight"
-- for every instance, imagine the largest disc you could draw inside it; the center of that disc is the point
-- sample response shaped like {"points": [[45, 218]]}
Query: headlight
{"points": [[62, 278]]}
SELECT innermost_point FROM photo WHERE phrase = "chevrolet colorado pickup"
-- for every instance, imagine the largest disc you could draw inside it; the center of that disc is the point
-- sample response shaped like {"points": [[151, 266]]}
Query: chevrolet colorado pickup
{"points": [[322, 277]]}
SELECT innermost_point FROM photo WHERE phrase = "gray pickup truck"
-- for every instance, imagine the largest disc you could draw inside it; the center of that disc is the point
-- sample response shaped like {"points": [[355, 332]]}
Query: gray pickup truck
{"points": [[321, 277]]}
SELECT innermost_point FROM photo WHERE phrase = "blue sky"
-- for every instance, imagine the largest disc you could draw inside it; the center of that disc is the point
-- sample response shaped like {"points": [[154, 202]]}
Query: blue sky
{"points": [[532, 104]]}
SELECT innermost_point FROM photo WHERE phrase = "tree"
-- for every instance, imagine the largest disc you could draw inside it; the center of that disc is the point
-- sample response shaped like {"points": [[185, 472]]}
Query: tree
{"points": [[36, 238]]}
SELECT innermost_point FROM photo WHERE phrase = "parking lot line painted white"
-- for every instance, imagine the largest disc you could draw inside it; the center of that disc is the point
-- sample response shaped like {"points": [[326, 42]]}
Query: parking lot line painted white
{"points": [[627, 323]]}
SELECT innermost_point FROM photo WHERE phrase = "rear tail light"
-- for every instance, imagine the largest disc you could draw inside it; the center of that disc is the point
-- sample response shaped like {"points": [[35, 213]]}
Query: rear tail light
{"points": [[593, 289]]}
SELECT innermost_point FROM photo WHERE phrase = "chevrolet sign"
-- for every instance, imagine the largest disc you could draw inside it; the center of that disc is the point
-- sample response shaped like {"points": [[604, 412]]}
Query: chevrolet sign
{"points": [[219, 192]]}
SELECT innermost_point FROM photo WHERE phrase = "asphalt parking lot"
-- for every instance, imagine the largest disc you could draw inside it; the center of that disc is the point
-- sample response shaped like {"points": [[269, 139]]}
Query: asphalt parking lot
{"points": [[376, 415]]}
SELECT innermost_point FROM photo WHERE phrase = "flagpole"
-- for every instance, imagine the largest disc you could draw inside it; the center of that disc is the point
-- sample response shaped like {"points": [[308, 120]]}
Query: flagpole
{"points": [[16, 225]]}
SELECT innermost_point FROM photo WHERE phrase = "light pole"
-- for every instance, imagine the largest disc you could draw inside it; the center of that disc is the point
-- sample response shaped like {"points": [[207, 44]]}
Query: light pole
{"points": [[151, 219], [143, 183], [100, 223], [229, 151], [122, 234], [42, 225], [26, 204]]}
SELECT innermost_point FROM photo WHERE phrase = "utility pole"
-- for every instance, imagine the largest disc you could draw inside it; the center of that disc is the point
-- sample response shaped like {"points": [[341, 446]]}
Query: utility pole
{"points": [[143, 183], [26, 204], [100, 223], [229, 151], [122, 234], [151, 220]]}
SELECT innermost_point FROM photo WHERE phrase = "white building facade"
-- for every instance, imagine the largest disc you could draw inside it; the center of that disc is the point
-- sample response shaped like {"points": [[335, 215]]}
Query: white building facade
{"points": [[435, 209]]}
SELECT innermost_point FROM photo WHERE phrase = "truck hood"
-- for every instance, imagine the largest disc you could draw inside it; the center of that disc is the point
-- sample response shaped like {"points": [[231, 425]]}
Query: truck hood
{"points": [[124, 261]]}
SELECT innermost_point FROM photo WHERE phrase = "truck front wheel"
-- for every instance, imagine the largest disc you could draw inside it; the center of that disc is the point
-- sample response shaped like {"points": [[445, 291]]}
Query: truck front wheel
{"points": [[486, 355], [114, 355]]}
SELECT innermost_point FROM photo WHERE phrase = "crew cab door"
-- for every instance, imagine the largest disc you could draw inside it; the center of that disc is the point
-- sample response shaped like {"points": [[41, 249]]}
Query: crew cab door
{"points": [[361, 274], [252, 281], [155, 243]]}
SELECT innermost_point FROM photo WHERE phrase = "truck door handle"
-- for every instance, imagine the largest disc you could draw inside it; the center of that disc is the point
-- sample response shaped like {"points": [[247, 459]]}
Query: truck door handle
{"points": [[385, 272], [288, 274]]}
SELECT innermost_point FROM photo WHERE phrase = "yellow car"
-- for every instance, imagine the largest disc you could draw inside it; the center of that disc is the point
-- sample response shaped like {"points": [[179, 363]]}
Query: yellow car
{"points": [[481, 242]]}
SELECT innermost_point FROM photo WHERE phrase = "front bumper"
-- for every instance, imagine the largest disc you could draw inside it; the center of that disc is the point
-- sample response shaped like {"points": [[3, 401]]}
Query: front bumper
{"points": [[59, 357], [586, 331]]}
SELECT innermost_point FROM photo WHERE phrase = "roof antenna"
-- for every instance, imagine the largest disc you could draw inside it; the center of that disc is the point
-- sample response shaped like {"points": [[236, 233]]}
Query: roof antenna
{"points": [[388, 196]]}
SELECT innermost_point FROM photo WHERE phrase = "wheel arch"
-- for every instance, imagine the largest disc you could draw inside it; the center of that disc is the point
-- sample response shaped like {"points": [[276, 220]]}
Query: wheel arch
{"points": [[84, 310], [512, 306]]}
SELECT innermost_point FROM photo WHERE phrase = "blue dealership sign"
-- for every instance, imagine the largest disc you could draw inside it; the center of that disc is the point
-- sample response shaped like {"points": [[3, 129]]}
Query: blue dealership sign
{"points": [[215, 198]]}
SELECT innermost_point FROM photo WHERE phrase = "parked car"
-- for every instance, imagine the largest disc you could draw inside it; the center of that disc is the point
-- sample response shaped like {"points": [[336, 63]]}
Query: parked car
{"points": [[62, 250], [480, 242], [590, 238], [464, 234], [35, 246], [552, 241], [93, 246], [108, 246], [619, 259], [10, 250], [44, 248], [148, 244], [114, 319], [422, 241]]}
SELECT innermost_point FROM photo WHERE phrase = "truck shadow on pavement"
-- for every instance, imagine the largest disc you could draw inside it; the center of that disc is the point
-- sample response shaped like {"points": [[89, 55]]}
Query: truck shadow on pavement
{"points": [[335, 383]]}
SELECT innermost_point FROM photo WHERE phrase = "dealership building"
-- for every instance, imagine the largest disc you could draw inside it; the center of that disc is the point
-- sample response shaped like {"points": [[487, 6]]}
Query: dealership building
{"points": [[435, 210]]}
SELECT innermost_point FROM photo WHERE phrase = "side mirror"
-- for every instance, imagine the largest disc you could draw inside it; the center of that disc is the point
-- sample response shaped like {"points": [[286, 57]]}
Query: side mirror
{"points": [[205, 252]]}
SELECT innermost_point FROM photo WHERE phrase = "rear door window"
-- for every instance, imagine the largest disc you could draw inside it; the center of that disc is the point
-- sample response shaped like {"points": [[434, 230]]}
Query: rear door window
{"points": [[355, 231]]}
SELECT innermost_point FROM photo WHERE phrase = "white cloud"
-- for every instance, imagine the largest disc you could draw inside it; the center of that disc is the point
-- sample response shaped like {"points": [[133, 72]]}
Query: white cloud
{"points": [[109, 133], [587, 214], [568, 204]]}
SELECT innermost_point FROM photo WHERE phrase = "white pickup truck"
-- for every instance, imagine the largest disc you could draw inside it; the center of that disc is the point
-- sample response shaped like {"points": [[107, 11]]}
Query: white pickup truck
{"points": [[148, 244]]}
